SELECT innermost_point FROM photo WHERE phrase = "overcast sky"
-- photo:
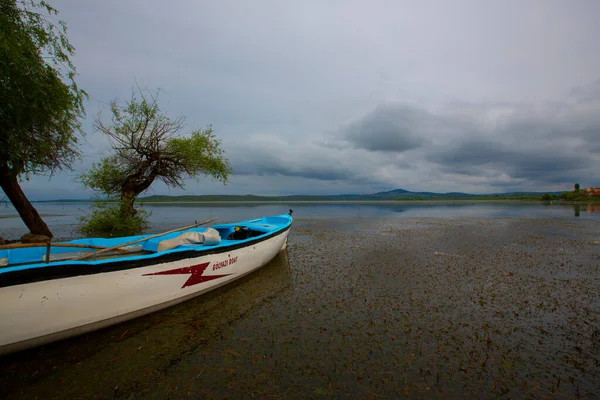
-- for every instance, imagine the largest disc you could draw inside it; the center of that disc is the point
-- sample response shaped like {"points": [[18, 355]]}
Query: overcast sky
{"points": [[324, 97]]}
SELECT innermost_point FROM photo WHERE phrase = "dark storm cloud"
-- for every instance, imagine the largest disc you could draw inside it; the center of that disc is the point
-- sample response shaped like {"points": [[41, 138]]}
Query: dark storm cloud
{"points": [[502, 144], [267, 155], [591, 135], [553, 144], [275, 166], [391, 128], [547, 164], [587, 93], [271, 155]]}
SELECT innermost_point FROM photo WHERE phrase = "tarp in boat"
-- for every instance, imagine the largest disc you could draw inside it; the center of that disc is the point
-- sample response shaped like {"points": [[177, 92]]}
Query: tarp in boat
{"points": [[209, 237]]}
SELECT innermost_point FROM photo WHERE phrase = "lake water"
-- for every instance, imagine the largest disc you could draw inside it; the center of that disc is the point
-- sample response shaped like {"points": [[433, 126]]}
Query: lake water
{"points": [[483, 300], [63, 217]]}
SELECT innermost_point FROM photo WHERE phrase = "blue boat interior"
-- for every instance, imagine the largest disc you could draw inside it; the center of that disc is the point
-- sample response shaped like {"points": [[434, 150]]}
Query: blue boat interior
{"points": [[231, 234]]}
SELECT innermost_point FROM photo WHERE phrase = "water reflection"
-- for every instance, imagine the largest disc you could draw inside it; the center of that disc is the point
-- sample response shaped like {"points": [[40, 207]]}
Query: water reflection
{"points": [[586, 208], [593, 208]]}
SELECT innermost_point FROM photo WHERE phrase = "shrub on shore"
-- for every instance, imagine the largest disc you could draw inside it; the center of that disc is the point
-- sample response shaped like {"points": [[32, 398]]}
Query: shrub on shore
{"points": [[108, 219], [575, 196]]}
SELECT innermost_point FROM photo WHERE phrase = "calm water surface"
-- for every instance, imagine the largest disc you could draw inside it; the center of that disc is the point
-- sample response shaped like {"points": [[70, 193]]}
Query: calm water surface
{"points": [[63, 217]]}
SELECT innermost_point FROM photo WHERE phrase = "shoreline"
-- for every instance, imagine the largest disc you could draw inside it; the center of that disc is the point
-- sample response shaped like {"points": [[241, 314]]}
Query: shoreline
{"points": [[401, 201], [415, 201]]}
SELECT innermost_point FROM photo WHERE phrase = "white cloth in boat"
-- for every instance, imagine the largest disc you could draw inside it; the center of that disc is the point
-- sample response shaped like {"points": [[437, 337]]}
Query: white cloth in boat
{"points": [[209, 237]]}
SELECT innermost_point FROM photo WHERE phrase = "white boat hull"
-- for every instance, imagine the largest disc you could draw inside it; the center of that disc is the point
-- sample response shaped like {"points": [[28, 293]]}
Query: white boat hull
{"points": [[37, 313]]}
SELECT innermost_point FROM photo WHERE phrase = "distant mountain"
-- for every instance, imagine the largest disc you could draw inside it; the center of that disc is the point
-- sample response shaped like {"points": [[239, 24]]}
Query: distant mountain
{"points": [[391, 192], [396, 194], [390, 195]]}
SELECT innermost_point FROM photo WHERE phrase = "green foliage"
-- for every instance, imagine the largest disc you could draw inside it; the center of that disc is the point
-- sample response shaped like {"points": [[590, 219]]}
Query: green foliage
{"points": [[577, 187], [567, 196], [107, 220], [200, 154], [574, 196], [40, 103], [38, 111], [105, 177]]}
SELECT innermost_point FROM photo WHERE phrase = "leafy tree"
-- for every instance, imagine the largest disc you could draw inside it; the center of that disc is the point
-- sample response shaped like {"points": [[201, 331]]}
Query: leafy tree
{"points": [[146, 147], [40, 103], [577, 187]]}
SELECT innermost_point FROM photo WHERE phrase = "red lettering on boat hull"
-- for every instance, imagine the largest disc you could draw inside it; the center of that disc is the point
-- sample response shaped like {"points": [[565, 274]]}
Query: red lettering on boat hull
{"points": [[196, 274], [224, 263]]}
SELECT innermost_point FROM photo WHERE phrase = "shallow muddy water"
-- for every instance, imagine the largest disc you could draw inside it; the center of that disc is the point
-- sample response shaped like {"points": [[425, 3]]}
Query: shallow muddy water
{"points": [[421, 307]]}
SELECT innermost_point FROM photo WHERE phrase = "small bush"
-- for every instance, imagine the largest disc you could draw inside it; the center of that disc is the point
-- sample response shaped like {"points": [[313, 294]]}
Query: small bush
{"points": [[575, 196], [107, 220]]}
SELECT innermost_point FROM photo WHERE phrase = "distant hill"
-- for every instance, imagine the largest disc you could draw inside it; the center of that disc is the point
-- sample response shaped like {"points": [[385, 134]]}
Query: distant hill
{"points": [[391, 192], [396, 194], [390, 195]]}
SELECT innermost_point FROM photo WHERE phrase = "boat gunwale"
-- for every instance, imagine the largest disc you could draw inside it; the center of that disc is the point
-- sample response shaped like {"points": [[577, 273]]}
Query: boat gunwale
{"points": [[70, 268]]}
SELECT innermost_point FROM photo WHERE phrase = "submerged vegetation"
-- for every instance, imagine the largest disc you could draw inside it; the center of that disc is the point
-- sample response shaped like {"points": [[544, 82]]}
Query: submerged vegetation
{"points": [[369, 308], [106, 220]]}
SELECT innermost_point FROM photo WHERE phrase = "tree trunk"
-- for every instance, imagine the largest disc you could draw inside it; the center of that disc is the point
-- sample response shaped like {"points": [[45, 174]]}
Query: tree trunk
{"points": [[127, 201], [131, 188], [29, 215]]}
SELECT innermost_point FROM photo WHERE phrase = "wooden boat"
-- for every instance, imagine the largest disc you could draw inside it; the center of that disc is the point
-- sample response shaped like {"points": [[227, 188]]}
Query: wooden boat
{"points": [[79, 288]]}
